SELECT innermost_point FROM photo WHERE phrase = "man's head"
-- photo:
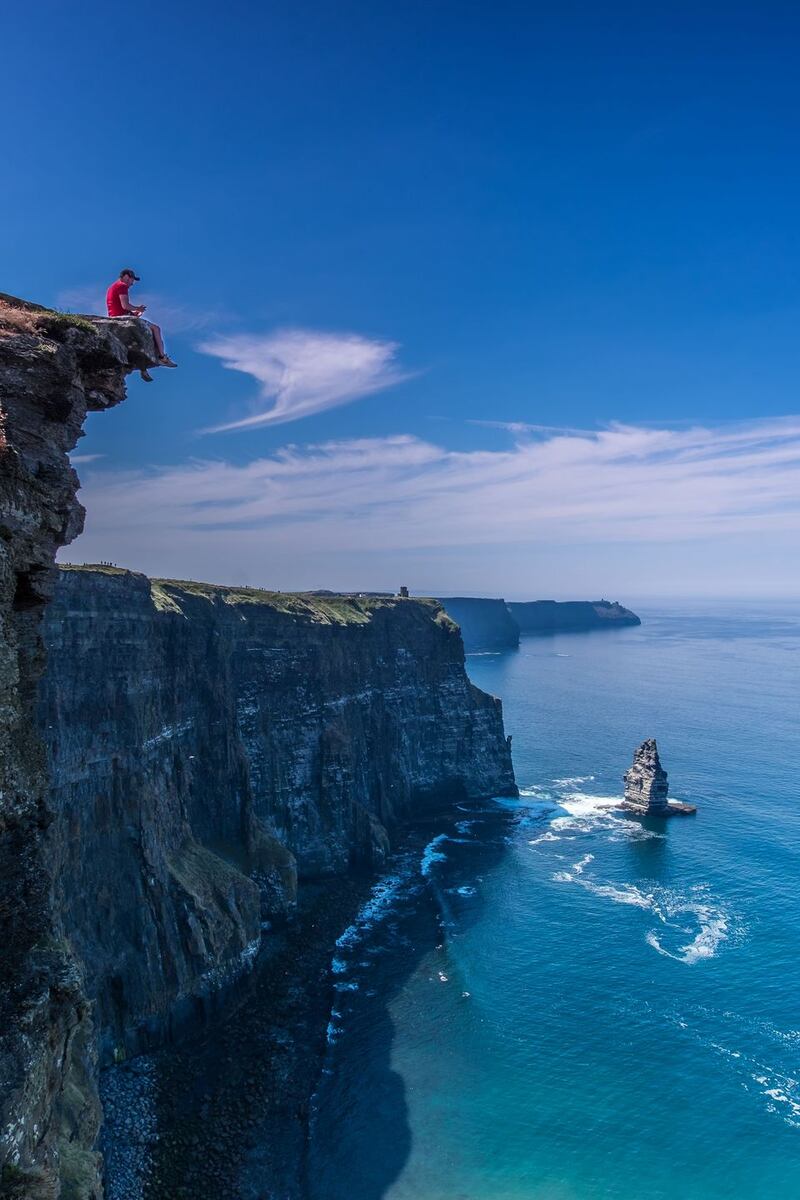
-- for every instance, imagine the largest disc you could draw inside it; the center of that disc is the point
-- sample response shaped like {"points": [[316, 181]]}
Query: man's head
{"points": [[128, 276]]}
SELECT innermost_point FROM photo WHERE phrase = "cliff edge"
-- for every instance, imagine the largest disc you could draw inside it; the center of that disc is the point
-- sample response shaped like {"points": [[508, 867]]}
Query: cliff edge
{"points": [[53, 370], [485, 624], [218, 748], [191, 756]]}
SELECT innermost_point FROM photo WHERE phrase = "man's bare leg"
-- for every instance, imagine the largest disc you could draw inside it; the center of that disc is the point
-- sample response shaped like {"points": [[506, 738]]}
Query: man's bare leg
{"points": [[158, 339], [166, 361]]}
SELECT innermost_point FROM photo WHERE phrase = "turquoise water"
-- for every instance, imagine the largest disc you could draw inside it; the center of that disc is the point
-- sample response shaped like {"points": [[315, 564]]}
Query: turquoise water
{"points": [[557, 1003]]}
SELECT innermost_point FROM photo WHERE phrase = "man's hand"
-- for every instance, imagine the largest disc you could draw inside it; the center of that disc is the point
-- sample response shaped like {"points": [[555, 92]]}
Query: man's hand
{"points": [[140, 309]]}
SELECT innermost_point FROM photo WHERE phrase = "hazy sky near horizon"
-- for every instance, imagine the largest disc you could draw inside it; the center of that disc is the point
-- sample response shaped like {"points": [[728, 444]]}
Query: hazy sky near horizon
{"points": [[481, 298]]}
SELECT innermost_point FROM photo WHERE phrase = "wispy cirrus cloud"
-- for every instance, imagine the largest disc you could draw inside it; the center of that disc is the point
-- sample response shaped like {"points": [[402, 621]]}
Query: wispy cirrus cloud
{"points": [[302, 371], [584, 493]]}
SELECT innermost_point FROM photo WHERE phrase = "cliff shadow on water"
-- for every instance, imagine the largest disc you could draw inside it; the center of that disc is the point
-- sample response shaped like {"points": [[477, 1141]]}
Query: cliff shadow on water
{"points": [[289, 1090], [360, 1136]]}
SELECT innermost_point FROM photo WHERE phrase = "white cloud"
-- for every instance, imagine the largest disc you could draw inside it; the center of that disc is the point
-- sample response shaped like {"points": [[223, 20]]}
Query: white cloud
{"points": [[303, 372], [278, 519], [84, 458]]}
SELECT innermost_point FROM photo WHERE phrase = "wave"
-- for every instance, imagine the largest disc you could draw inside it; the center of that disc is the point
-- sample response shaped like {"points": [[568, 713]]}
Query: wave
{"points": [[694, 913], [547, 836], [775, 1082], [383, 900], [433, 854], [713, 930]]}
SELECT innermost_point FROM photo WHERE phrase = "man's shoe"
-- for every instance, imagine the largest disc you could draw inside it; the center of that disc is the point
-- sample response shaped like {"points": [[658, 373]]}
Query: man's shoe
{"points": [[166, 361], [146, 376]]}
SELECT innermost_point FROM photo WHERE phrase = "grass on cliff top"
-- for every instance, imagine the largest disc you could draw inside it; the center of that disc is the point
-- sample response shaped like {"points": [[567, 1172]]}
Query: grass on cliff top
{"points": [[322, 608], [99, 568], [20, 316]]}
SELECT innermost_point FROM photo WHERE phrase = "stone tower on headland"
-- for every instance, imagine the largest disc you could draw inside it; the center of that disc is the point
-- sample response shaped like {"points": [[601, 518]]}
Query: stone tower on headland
{"points": [[646, 785]]}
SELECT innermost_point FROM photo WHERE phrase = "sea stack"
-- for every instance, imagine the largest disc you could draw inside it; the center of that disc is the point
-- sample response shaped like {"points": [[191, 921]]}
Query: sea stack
{"points": [[646, 785]]}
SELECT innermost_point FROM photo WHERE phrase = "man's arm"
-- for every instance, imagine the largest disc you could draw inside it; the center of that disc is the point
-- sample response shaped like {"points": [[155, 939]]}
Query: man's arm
{"points": [[133, 309]]}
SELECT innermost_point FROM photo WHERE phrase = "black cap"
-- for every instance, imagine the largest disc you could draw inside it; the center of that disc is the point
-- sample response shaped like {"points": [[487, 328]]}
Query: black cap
{"points": [[129, 271]]}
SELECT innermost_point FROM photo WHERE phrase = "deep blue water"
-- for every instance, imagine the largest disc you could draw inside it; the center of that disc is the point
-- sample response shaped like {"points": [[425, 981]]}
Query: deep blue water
{"points": [[563, 1004]]}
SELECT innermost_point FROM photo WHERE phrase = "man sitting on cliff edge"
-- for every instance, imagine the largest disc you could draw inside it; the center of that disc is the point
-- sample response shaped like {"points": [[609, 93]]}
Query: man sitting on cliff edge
{"points": [[119, 305]]}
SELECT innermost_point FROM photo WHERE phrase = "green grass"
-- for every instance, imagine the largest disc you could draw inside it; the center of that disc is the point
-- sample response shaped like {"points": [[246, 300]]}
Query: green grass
{"points": [[95, 568], [327, 609], [28, 318]]}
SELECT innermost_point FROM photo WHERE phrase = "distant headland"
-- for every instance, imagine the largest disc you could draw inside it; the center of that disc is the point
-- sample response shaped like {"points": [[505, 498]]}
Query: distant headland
{"points": [[493, 624]]}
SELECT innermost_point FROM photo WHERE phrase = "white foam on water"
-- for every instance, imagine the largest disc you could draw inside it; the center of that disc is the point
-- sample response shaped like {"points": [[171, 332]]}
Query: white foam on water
{"points": [[781, 1089], [582, 804], [383, 899], [544, 837], [583, 813], [713, 930], [693, 913], [573, 781], [579, 867], [433, 854], [626, 894]]}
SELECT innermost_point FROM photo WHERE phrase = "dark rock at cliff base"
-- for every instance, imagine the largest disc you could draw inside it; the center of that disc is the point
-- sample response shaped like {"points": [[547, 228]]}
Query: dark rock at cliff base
{"points": [[646, 785], [54, 368], [485, 624], [570, 616]]}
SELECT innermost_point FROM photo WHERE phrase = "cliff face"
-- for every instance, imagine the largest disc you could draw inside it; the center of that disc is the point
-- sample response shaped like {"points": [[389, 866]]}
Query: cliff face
{"points": [[53, 370], [206, 750], [485, 624], [209, 748], [550, 616]]}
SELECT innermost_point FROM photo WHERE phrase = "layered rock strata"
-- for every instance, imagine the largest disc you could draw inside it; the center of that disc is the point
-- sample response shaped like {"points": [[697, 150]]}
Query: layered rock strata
{"points": [[647, 785], [216, 746], [53, 370]]}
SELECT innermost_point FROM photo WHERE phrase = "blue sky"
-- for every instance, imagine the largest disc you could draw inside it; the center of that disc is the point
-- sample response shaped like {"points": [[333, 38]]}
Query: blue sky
{"points": [[387, 241]]}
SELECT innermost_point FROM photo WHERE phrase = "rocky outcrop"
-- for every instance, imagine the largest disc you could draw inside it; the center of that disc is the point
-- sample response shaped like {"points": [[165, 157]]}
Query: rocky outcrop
{"points": [[646, 785], [645, 781], [53, 370], [485, 624], [552, 616], [217, 747]]}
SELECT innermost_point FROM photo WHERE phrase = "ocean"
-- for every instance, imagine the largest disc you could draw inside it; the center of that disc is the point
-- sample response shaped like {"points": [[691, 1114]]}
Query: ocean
{"points": [[549, 1001]]}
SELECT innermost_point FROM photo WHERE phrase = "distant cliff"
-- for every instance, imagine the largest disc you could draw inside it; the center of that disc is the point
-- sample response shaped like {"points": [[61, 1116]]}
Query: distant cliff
{"points": [[53, 370], [485, 624], [209, 748], [551, 616]]}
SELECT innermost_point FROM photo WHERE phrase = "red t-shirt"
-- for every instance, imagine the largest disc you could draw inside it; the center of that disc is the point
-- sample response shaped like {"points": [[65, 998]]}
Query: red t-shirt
{"points": [[117, 289]]}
